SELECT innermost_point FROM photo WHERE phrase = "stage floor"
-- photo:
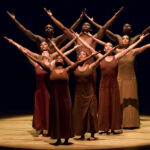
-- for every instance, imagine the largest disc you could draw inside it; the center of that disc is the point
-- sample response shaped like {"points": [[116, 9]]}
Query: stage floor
{"points": [[16, 132]]}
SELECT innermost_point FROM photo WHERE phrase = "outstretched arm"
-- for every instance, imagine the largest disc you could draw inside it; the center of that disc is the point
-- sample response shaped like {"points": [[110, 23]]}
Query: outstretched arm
{"points": [[60, 39], [27, 32], [133, 39], [74, 65], [64, 48], [96, 63], [33, 57], [102, 30], [87, 45], [69, 62], [114, 37], [131, 47], [59, 24], [97, 40], [140, 50]]}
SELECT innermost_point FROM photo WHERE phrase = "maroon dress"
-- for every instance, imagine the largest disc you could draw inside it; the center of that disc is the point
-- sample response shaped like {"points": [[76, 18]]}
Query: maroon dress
{"points": [[109, 114], [41, 103], [85, 103], [60, 119]]}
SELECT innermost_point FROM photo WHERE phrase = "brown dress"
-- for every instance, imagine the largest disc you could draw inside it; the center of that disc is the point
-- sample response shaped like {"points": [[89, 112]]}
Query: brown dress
{"points": [[109, 114], [41, 103], [85, 103], [60, 119], [128, 91]]}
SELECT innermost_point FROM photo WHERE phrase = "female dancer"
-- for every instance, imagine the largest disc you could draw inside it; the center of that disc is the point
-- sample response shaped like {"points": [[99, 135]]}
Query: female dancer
{"points": [[109, 115], [85, 101], [42, 95], [60, 119], [128, 87]]}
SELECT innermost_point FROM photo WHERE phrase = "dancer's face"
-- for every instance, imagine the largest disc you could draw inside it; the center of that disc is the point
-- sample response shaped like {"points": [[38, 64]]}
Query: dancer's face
{"points": [[44, 46], [127, 29], [49, 30], [59, 60], [108, 46], [82, 55], [125, 40], [86, 27]]}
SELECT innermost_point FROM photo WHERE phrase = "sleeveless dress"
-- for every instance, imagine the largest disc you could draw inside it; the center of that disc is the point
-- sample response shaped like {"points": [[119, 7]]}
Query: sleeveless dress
{"points": [[128, 91], [109, 114], [60, 117], [85, 103], [41, 103]]}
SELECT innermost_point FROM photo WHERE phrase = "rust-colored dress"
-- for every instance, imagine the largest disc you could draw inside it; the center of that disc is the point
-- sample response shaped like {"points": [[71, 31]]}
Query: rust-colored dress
{"points": [[85, 103], [41, 103], [109, 114], [60, 117], [128, 91]]}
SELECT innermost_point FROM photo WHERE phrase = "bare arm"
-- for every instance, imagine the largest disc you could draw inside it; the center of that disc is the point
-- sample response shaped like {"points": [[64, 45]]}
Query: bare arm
{"points": [[102, 30], [78, 20], [30, 55], [124, 52], [133, 39], [69, 62], [74, 65], [64, 48], [71, 50], [27, 32], [96, 63], [87, 45], [114, 37], [60, 39], [59, 24], [140, 50], [97, 40]]}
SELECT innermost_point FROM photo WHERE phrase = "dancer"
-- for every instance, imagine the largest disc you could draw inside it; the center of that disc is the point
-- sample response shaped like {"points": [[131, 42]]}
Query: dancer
{"points": [[49, 32], [42, 95], [109, 115], [128, 88], [85, 103], [60, 103], [127, 30], [86, 27]]}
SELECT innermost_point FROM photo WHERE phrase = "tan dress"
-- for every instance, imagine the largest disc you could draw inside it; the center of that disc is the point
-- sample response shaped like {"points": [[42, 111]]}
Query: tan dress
{"points": [[128, 91]]}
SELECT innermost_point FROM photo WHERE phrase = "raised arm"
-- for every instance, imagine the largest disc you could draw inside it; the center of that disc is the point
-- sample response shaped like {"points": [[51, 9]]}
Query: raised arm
{"points": [[78, 20], [74, 65], [22, 49], [97, 40], [131, 47], [64, 48], [87, 46], [133, 39], [140, 50], [27, 32], [69, 62], [59, 24], [95, 64], [102, 30], [60, 39], [33, 57], [114, 37]]}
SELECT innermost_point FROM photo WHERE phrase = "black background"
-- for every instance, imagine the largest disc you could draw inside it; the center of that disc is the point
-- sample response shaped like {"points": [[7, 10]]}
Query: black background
{"points": [[17, 82]]}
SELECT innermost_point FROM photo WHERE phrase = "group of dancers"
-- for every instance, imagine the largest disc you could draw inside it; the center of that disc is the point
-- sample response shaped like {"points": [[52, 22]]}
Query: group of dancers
{"points": [[117, 97]]}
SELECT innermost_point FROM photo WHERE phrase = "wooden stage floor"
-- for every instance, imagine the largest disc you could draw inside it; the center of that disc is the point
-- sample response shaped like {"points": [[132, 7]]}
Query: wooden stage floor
{"points": [[16, 133]]}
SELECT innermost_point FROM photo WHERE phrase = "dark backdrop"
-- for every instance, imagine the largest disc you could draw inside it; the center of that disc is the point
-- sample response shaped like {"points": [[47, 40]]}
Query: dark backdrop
{"points": [[17, 81]]}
